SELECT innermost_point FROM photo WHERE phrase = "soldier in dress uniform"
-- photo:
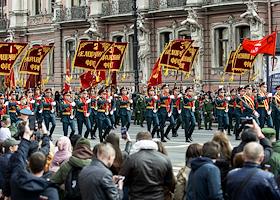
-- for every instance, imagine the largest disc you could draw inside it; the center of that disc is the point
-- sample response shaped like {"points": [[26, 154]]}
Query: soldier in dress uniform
{"points": [[221, 104], [22, 104], [249, 109], [177, 109], [67, 109], [231, 109], [103, 120], [12, 107], [151, 116], [38, 105], [197, 112], [276, 111], [49, 110], [165, 111], [83, 112], [125, 110], [208, 109], [264, 106], [238, 110], [188, 113], [30, 99], [3, 106], [93, 113]]}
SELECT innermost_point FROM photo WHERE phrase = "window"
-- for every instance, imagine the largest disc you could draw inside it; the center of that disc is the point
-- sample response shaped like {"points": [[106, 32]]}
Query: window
{"points": [[164, 37], [221, 46], [184, 34], [37, 7], [52, 6], [69, 54], [76, 3], [241, 33], [118, 38], [3, 3], [51, 61]]}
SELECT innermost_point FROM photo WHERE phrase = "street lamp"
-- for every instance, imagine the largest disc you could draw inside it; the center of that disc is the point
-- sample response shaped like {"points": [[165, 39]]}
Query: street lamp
{"points": [[135, 47]]}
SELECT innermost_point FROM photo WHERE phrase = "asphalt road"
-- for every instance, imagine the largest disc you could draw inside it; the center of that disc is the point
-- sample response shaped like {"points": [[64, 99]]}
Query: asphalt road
{"points": [[176, 147]]}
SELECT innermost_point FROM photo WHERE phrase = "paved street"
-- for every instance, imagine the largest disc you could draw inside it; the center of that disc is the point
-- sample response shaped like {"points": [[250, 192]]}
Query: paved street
{"points": [[176, 147]]}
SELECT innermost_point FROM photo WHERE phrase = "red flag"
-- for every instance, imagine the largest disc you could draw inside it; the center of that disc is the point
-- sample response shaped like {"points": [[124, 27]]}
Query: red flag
{"points": [[67, 87], [156, 75], [266, 45], [10, 79], [86, 79]]}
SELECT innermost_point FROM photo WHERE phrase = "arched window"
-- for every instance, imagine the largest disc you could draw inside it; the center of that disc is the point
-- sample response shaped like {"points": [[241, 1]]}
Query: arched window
{"points": [[184, 34], [164, 39], [70, 48], [118, 38], [37, 7], [242, 32]]}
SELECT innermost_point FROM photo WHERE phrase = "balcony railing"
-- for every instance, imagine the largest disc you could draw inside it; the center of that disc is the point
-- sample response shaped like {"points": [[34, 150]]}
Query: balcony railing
{"points": [[74, 13], [40, 19]]}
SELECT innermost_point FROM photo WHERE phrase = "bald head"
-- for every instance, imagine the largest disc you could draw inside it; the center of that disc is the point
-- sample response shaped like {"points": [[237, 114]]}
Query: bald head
{"points": [[253, 152]]}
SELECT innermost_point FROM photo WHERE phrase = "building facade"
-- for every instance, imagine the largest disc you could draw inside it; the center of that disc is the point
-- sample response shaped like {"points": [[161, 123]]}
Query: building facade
{"points": [[216, 26]]}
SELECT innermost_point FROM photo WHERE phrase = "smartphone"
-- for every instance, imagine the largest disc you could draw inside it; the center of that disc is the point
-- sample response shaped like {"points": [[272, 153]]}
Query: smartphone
{"points": [[247, 120], [32, 123]]}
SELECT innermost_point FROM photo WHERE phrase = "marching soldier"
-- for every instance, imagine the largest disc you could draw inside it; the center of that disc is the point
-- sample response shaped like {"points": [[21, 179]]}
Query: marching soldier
{"points": [[221, 104], [125, 110], [23, 104], [249, 104], [49, 110], [264, 107], [30, 99], [276, 110], [231, 109], [176, 112], [165, 112], [103, 120], [38, 106], [188, 113], [139, 110], [208, 109], [197, 113], [151, 111], [93, 113], [238, 110], [67, 113], [83, 112], [12, 107]]}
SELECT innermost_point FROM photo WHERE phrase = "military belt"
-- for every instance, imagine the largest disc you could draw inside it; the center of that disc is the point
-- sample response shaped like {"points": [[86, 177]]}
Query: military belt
{"points": [[220, 108], [123, 106], [101, 110], [80, 110], [149, 107], [187, 107], [66, 113]]}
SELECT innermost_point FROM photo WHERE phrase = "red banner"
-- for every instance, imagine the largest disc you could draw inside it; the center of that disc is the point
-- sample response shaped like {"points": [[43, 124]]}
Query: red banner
{"points": [[242, 60], [9, 52], [89, 79], [113, 58], [156, 75], [10, 79], [188, 59], [89, 54], [172, 55], [266, 45], [31, 63]]}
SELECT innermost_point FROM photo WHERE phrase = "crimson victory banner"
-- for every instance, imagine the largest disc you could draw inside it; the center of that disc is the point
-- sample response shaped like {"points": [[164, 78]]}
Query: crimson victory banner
{"points": [[31, 63], [188, 59], [9, 52]]}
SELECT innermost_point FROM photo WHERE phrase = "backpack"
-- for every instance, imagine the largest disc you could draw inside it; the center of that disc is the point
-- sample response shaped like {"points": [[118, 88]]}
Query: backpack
{"points": [[72, 190]]}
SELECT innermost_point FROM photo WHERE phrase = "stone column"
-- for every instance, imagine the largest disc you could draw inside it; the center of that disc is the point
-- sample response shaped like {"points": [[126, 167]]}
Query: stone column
{"points": [[18, 16], [57, 11]]}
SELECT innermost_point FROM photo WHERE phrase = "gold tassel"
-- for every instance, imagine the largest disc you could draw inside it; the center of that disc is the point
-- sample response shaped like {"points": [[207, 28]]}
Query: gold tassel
{"points": [[123, 77], [166, 72], [231, 78]]}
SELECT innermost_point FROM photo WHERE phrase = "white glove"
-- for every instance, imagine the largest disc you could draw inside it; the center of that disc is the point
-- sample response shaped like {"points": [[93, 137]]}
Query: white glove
{"points": [[169, 114], [115, 95], [32, 101], [155, 98], [155, 111], [109, 100], [52, 111], [269, 112], [73, 104], [128, 108], [110, 97], [39, 98], [53, 103], [180, 95], [72, 117], [256, 114], [40, 111], [193, 109], [171, 97], [179, 111], [87, 114], [106, 113], [226, 110], [228, 98], [269, 95], [18, 102], [97, 97], [6, 103], [130, 101], [195, 97], [111, 112], [88, 101]]}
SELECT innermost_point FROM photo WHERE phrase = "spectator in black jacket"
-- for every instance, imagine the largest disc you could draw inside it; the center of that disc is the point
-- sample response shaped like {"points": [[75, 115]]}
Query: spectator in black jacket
{"points": [[253, 133], [97, 181], [29, 185], [147, 172]]}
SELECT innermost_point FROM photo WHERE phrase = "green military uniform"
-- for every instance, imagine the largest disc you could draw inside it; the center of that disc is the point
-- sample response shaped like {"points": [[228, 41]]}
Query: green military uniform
{"points": [[197, 113], [208, 109], [139, 110]]}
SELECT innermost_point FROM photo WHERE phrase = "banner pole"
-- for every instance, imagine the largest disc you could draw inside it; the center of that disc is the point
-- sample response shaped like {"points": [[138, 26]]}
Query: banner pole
{"points": [[239, 80]]}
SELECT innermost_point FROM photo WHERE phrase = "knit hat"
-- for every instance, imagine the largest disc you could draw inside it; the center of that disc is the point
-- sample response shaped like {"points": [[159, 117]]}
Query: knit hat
{"points": [[83, 142], [269, 132]]}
